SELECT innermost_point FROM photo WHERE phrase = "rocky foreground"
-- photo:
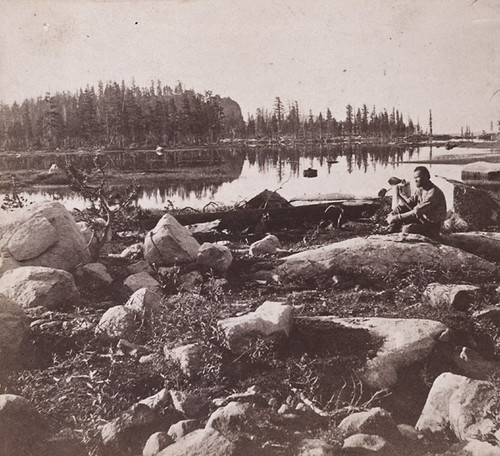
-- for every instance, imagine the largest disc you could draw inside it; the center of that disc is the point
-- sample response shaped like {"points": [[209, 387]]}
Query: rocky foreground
{"points": [[334, 342]]}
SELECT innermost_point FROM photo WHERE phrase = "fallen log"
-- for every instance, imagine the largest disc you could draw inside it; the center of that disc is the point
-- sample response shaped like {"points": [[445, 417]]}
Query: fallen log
{"points": [[278, 217]]}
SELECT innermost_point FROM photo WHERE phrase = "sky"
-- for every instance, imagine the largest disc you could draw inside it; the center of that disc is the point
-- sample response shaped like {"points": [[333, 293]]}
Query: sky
{"points": [[413, 55]]}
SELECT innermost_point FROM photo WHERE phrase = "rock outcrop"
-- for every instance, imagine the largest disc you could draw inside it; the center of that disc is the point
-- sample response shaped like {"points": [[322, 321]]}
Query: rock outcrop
{"points": [[42, 234], [403, 342], [33, 286], [376, 257]]}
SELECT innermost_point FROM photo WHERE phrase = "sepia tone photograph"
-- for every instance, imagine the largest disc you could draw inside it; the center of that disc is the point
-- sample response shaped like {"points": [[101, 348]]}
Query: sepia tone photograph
{"points": [[249, 227]]}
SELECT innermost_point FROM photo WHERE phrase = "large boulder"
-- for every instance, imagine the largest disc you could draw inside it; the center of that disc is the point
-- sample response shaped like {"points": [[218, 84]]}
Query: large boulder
{"points": [[461, 405], [41, 234], [271, 319], [169, 243], [481, 243], [14, 331], [33, 286], [374, 258], [404, 342], [203, 442]]}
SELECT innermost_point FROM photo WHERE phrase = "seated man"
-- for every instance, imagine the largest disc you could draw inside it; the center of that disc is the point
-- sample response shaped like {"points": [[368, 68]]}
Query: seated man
{"points": [[424, 212]]}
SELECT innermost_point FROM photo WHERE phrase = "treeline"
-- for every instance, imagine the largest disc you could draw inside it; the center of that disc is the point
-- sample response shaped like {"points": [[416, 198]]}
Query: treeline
{"points": [[115, 116], [363, 122]]}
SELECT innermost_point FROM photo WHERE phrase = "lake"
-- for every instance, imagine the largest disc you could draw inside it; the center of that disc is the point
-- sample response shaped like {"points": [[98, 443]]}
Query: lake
{"points": [[234, 175]]}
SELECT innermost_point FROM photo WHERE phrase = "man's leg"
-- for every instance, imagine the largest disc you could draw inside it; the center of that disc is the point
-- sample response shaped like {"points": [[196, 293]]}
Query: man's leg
{"points": [[431, 230]]}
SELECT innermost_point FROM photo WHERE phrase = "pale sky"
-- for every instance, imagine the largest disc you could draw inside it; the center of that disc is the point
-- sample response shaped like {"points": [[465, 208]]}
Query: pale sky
{"points": [[414, 55]]}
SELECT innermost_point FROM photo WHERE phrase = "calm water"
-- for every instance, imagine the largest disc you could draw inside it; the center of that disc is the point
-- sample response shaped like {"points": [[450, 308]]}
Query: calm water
{"points": [[236, 175]]}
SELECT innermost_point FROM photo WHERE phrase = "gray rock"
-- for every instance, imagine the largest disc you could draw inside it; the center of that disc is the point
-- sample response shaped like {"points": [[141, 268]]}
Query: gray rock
{"points": [[96, 273], [475, 207], [316, 447], [24, 246], [456, 296], [158, 401], [404, 342], [169, 243], [128, 429], [368, 444], [14, 331], [231, 417], [477, 448], [203, 442], [157, 442], [145, 304], [189, 357], [141, 280], [459, 404], [139, 266], [33, 286], [41, 234], [373, 258], [20, 425], [189, 404], [116, 323], [375, 421], [271, 319], [215, 257], [268, 245], [182, 428]]}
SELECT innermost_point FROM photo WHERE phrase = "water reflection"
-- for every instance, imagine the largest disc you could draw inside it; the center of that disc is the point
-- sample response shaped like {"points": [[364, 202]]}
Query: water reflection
{"points": [[229, 176]]}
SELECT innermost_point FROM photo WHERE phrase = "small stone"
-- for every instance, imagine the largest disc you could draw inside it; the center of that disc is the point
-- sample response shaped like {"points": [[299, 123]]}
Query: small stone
{"points": [[268, 245], [189, 357], [116, 323], [285, 410], [230, 417], [374, 421]]}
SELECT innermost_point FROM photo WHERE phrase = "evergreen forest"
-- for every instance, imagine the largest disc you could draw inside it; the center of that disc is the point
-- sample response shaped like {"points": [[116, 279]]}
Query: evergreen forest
{"points": [[120, 116]]}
